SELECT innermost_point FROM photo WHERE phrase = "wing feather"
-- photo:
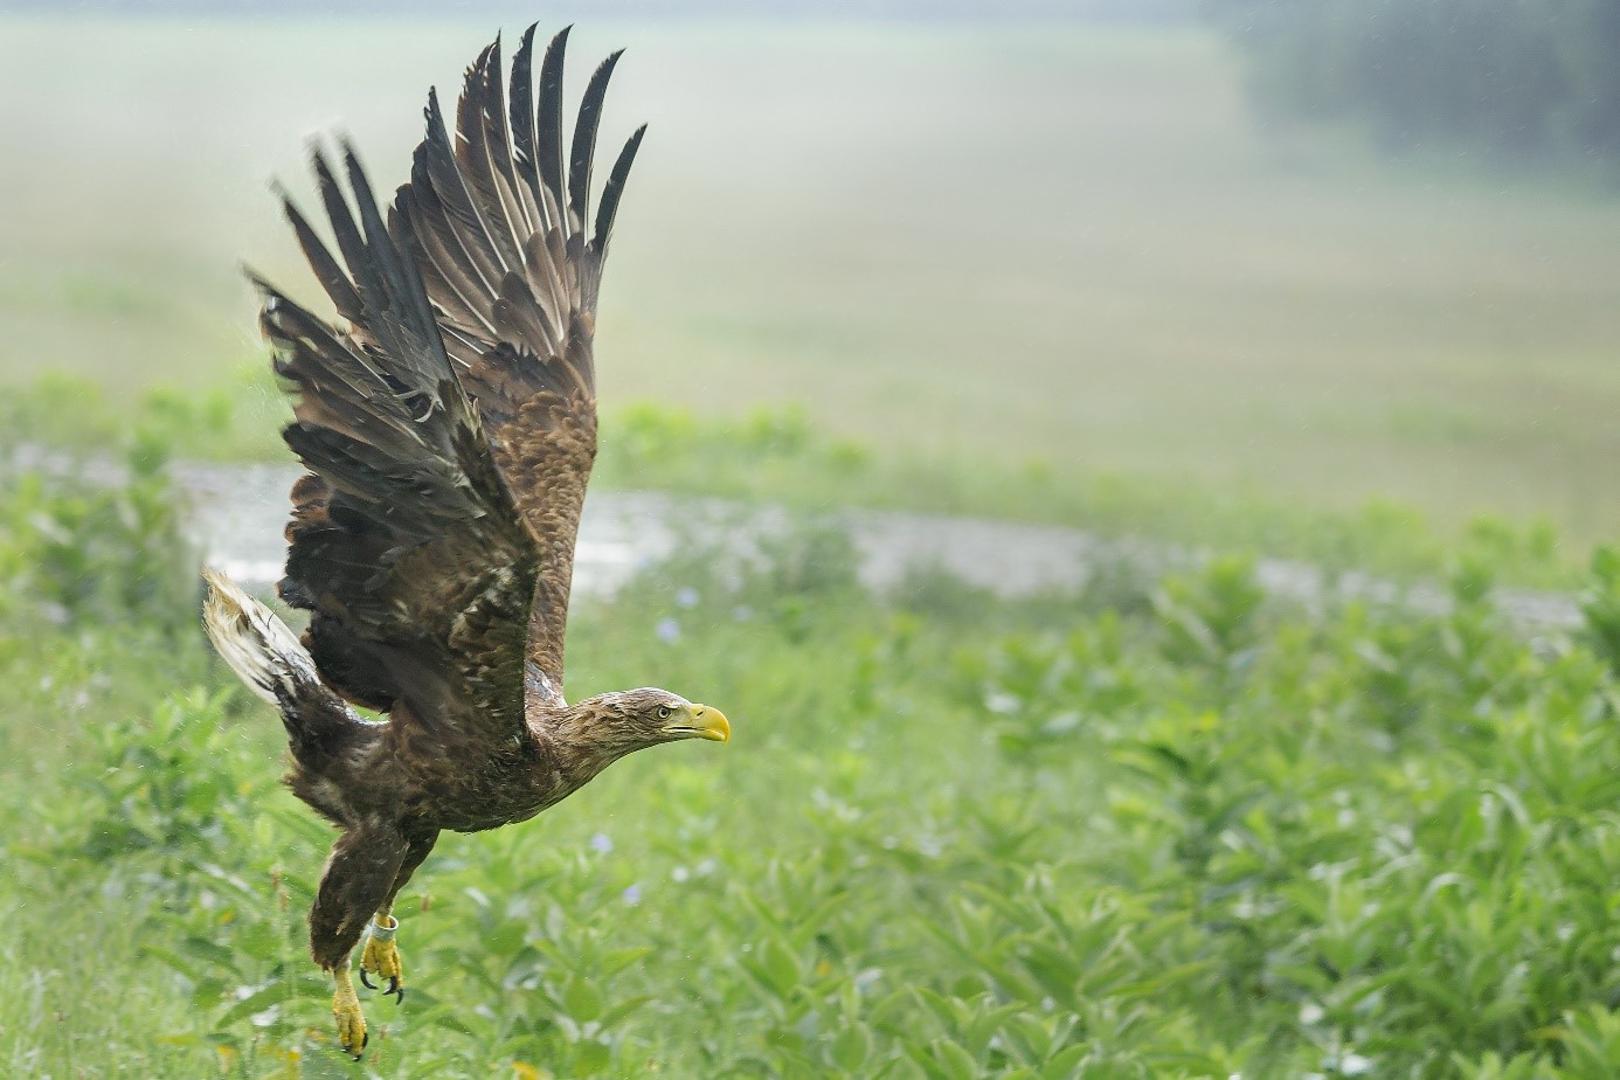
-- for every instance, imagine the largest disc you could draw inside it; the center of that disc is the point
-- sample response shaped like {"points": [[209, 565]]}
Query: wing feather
{"points": [[579, 167], [475, 156], [449, 431], [518, 311], [326, 268], [402, 526], [438, 173], [549, 116], [521, 106], [609, 207]]}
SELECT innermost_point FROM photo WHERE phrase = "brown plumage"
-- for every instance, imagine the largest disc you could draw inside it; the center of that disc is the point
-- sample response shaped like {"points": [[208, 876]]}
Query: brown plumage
{"points": [[448, 426]]}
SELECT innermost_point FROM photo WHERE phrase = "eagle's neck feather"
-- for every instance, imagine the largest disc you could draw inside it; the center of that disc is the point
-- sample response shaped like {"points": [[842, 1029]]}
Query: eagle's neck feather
{"points": [[575, 742]]}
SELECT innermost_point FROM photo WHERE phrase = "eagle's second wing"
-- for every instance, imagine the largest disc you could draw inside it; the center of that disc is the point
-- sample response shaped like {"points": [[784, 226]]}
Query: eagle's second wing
{"points": [[449, 432], [512, 264]]}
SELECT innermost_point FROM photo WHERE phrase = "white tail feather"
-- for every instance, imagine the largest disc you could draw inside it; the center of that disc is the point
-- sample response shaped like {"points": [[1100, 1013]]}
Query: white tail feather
{"points": [[257, 645]]}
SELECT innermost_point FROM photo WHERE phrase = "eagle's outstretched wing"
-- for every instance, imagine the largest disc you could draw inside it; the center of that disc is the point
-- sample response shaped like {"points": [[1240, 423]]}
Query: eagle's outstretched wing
{"points": [[513, 265], [449, 431]]}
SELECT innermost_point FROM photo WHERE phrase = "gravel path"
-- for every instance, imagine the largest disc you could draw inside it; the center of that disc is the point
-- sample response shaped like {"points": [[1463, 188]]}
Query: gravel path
{"points": [[238, 513]]}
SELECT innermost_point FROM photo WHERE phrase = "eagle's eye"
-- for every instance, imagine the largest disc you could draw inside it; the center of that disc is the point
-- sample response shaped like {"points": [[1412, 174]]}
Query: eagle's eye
{"points": [[663, 712]]}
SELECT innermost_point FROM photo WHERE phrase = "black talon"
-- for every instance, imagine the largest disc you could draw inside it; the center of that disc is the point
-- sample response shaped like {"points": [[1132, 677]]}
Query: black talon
{"points": [[365, 982], [397, 990]]}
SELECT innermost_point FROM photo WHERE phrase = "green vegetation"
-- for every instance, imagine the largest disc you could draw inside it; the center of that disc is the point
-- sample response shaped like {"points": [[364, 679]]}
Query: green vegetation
{"points": [[779, 456], [983, 244], [1154, 830]]}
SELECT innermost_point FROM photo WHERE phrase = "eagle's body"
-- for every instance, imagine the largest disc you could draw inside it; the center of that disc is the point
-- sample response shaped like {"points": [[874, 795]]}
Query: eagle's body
{"points": [[408, 774], [448, 423]]}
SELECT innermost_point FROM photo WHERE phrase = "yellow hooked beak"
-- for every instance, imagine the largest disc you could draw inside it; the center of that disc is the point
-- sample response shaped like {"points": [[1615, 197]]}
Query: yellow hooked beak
{"points": [[701, 722]]}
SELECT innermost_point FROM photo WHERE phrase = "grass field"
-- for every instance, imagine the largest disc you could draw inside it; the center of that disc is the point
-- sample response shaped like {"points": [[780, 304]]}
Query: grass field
{"points": [[1146, 831], [966, 244]]}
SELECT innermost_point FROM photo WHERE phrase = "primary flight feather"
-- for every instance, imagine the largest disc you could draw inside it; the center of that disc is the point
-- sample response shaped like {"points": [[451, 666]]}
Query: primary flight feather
{"points": [[448, 425]]}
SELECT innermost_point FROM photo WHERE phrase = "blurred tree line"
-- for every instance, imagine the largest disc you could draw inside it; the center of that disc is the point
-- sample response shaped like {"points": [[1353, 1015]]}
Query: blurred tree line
{"points": [[1509, 80]]}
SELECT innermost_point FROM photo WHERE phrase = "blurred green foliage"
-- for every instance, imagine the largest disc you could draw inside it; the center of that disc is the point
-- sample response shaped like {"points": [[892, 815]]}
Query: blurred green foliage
{"points": [[1169, 830], [86, 552], [777, 455], [1600, 605], [236, 420], [1514, 81]]}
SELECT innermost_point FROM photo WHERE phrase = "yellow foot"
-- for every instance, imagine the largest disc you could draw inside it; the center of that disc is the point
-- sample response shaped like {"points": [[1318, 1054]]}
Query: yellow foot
{"points": [[351, 1023], [380, 957]]}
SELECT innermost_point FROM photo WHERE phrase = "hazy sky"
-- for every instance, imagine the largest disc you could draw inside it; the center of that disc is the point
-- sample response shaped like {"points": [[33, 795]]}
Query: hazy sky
{"points": [[550, 11]]}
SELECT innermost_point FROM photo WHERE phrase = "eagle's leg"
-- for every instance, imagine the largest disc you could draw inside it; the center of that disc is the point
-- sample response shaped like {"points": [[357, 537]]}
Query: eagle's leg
{"points": [[358, 878], [380, 956], [351, 1022]]}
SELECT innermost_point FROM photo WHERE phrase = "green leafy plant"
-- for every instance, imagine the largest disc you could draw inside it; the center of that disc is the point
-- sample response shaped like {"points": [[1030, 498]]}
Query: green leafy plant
{"points": [[955, 836]]}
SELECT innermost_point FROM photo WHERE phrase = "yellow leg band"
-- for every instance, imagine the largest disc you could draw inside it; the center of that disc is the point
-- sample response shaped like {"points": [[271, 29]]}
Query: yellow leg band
{"points": [[380, 956]]}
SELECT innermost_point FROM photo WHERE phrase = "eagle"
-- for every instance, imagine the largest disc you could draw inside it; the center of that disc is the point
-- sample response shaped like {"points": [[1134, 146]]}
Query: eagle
{"points": [[447, 423]]}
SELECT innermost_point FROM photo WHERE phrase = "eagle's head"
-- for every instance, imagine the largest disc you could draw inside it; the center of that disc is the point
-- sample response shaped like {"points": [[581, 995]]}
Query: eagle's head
{"points": [[628, 720]]}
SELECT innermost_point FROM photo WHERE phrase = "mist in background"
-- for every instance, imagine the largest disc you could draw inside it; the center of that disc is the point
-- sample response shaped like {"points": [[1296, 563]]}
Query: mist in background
{"points": [[512, 10], [1509, 84], [1317, 253]]}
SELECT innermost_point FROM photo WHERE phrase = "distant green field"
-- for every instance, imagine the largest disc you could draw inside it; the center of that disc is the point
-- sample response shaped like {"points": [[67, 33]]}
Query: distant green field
{"points": [[1069, 245]]}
